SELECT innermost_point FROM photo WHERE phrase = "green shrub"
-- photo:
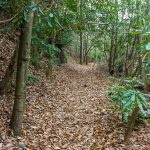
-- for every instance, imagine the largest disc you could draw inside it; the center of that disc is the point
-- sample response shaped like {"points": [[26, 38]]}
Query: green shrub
{"points": [[126, 98]]}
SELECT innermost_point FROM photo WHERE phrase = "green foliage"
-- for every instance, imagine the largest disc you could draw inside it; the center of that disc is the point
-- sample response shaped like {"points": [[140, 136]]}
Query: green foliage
{"points": [[32, 79], [148, 120], [36, 60], [126, 98], [103, 24]]}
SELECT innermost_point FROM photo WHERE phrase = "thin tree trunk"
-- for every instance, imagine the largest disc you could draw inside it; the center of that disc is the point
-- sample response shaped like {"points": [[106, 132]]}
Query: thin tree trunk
{"points": [[115, 49], [110, 63], [50, 66], [132, 57], [84, 47], [86, 50], [86, 58], [147, 71], [116, 41], [127, 52], [6, 81], [62, 56], [105, 52], [140, 64], [81, 35], [139, 41], [81, 48], [131, 124], [77, 46], [22, 67]]}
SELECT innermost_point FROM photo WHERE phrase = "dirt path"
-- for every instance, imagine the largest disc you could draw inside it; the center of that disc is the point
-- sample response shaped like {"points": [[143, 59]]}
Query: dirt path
{"points": [[69, 112], [73, 107], [77, 106], [76, 94]]}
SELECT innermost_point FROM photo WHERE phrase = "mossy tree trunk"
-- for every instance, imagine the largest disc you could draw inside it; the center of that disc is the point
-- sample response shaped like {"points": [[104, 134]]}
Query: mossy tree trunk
{"points": [[21, 76]]}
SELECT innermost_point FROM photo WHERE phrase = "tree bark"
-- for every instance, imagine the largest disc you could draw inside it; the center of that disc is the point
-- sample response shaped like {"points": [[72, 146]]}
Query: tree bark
{"points": [[6, 81], [139, 41], [131, 124], [81, 35], [147, 71], [110, 63], [140, 63], [115, 50], [127, 52], [49, 68], [81, 48], [86, 50], [21, 76]]}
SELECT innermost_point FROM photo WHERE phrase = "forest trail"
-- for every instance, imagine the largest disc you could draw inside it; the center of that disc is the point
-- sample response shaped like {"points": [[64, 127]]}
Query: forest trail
{"points": [[70, 107], [67, 112]]}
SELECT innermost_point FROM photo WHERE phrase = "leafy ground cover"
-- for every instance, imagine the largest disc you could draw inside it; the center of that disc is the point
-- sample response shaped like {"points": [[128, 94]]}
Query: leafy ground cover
{"points": [[69, 112]]}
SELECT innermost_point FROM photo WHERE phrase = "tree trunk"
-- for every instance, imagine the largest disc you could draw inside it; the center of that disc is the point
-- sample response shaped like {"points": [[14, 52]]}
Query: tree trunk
{"points": [[49, 68], [132, 57], [77, 46], [21, 76], [86, 50], [115, 51], [86, 59], [110, 63], [62, 56], [6, 81], [127, 52], [81, 48], [147, 71], [140, 64], [81, 35], [131, 124], [139, 41]]}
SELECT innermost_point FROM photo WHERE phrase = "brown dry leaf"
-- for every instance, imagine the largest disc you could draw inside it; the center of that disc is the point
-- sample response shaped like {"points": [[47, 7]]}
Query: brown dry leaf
{"points": [[94, 146]]}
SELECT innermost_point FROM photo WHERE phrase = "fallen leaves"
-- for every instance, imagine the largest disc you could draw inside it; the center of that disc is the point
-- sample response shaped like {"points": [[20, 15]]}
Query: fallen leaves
{"points": [[69, 112], [6, 51]]}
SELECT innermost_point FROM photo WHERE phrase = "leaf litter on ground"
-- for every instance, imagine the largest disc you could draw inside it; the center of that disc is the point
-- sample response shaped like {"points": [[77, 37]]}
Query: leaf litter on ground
{"points": [[69, 112]]}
